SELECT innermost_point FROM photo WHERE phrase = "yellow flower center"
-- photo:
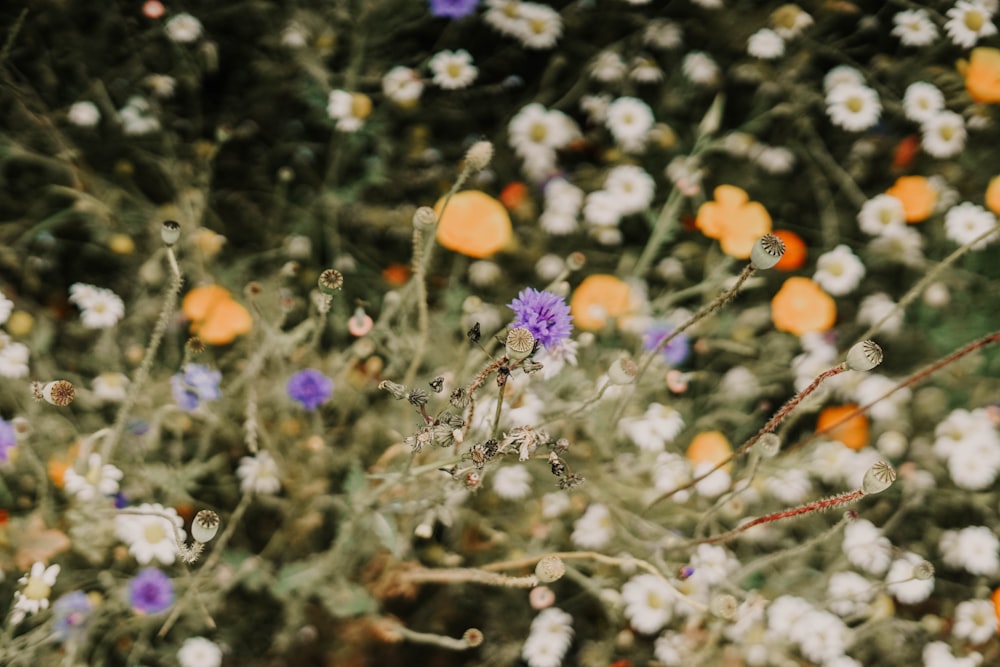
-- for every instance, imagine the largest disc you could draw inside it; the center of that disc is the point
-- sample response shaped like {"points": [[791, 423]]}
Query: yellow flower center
{"points": [[538, 132], [974, 20], [454, 69], [37, 589], [653, 601], [154, 532], [854, 104]]}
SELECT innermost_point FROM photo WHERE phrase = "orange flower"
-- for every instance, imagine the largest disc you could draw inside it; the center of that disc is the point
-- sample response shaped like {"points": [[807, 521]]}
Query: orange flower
{"points": [[215, 317], [709, 447], [852, 433], [917, 195], [396, 274], [734, 220], [597, 298], [474, 224], [801, 306], [992, 199], [982, 74], [996, 606], [795, 251]]}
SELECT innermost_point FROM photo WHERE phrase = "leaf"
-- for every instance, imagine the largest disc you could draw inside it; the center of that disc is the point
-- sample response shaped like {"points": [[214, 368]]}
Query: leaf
{"points": [[387, 534]]}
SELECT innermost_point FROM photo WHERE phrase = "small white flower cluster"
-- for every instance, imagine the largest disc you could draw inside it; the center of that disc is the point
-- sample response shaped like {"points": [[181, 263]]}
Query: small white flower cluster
{"points": [[13, 356], [563, 202], [655, 429], [850, 104], [866, 547], [701, 69], [84, 114], [536, 133], [549, 638], [819, 635], [349, 110], [453, 69], [969, 444], [627, 189], [183, 28], [974, 549], [199, 652], [259, 474], [138, 118], [402, 86], [100, 308], [975, 620], [839, 271], [555, 357], [535, 25], [594, 529], [512, 482], [910, 579], [938, 654], [98, 480], [943, 132]]}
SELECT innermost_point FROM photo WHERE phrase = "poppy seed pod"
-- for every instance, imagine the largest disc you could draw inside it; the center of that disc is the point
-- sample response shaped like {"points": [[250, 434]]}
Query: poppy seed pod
{"points": [[205, 526], [520, 343], [864, 356], [767, 251], [170, 232]]}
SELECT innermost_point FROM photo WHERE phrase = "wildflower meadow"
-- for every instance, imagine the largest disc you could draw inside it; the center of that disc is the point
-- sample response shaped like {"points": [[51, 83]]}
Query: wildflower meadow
{"points": [[606, 333]]}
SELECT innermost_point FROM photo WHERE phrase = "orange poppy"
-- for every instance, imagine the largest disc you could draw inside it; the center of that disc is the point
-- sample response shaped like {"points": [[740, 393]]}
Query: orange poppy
{"points": [[801, 306], [709, 447], [795, 251], [982, 74], [918, 197], [396, 274], [906, 151], [597, 298], [734, 220], [215, 317], [474, 224], [992, 198], [852, 433], [996, 606]]}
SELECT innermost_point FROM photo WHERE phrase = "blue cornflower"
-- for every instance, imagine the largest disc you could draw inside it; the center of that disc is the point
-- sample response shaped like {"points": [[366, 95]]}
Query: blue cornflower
{"points": [[544, 314], [310, 388], [7, 439], [150, 591], [676, 351], [453, 9], [70, 615], [196, 383]]}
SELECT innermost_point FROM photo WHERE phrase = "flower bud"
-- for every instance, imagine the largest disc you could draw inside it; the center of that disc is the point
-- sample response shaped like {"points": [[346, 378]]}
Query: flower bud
{"points": [[923, 570], [424, 217], [769, 445], [878, 478], [205, 526], [623, 371], [724, 606], [473, 637], [549, 569], [864, 356], [479, 155], [330, 281], [767, 251], [520, 343], [170, 232], [398, 391]]}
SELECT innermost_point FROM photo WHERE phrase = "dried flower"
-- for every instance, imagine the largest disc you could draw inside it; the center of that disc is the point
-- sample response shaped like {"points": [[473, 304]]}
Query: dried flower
{"points": [[59, 393], [519, 344], [864, 356], [330, 281]]}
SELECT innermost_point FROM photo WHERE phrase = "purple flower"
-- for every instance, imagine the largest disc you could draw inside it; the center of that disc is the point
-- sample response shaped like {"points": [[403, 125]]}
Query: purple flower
{"points": [[195, 384], [310, 388], [70, 615], [544, 314], [453, 9], [676, 351], [151, 591], [7, 439]]}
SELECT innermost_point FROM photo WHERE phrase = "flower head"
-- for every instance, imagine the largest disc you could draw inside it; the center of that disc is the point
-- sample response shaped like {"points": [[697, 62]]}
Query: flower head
{"points": [[453, 69], [100, 308], [734, 220], [310, 388], [149, 533], [259, 474], [982, 75], [34, 594], [7, 439], [196, 383], [544, 314], [199, 652], [70, 615], [453, 9], [675, 352], [150, 591], [801, 306]]}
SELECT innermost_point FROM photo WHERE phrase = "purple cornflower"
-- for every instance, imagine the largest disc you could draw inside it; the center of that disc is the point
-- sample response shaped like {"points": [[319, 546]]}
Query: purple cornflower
{"points": [[151, 591], [7, 439], [310, 388], [676, 351], [196, 383], [70, 615], [544, 314], [453, 9]]}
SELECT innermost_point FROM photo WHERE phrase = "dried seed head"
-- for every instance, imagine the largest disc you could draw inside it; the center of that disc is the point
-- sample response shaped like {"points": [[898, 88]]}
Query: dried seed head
{"points": [[417, 397], [864, 356], [724, 606], [170, 232], [196, 345], [769, 445], [767, 251], [473, 637], [549, 569], [437, 384], [479, 155], [923, 570], [424, 217], [205, 526], [520, 343], [878, 478], [623, 371], [60, 392], [575, 261], [330, 281], [398, 391]]}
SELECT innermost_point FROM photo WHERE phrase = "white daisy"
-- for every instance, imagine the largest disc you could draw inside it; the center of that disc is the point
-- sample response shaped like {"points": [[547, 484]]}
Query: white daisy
{"points": [[854, 107], [100, 308], [563, 202], [596, 107], [608, 67], [820, 635], [84, 114], [34, 594], [968, 22], [504, 16], [138, 118], [540, 26], [183, 28], [789, 21], [512, 482], [775, 160], [453, 69], [914, 27], [700, 69], [865, 547], [259, 474], [842, 75], [907, 579], [879, 213], [766, 44], [974, 549], [974, 466], [645, 70], [662, 34], [630, 119], [149, 533], [403, 86], [975, 620], [839, 271], [601, 209], [875, 307], [632, 187], [199, 652], [594, 529], [648, 603], [966, 222], [961, 426], [13, 358], [549, 638], [671, 471], [111, 387], [349, 109], [535, 126], [98, 479], [657, 427], [922, 101], [943, 134], [161, 85]]}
